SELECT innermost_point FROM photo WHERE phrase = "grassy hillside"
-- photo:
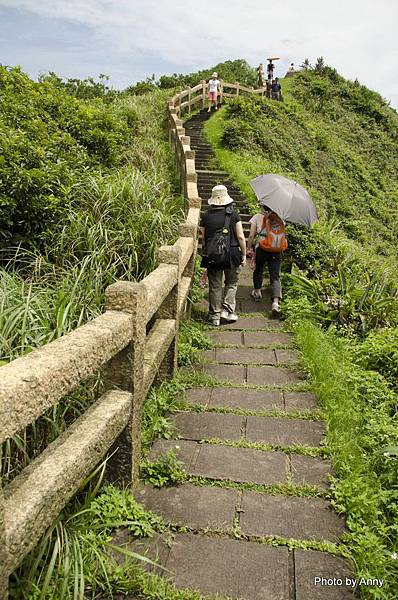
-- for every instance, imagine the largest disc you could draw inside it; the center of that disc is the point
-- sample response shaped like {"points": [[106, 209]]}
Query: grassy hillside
{"points": [[338, 139]]}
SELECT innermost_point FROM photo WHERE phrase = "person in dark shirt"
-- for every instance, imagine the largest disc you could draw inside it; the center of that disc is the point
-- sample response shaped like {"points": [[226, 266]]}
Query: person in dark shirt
{"points": [[222, 302], [275, 89]]}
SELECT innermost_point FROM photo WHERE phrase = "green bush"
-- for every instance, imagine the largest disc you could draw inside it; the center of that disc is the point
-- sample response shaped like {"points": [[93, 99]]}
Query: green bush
{"points": [[379, 351], [48, 141], [230, 71]]}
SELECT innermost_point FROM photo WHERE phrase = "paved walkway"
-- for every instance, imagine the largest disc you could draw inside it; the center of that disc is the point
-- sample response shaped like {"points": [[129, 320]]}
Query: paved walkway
{"points": [[259, 477], [209, 557]]}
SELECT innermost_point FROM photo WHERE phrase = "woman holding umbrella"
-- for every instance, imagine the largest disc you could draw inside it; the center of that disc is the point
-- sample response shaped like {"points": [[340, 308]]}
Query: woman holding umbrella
{"points": [[264, 226], [281, 200]]}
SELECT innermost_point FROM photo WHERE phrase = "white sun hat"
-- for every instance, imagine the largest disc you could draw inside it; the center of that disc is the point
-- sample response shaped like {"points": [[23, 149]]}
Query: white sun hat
{"points": [[215, 74], [219, 196]]}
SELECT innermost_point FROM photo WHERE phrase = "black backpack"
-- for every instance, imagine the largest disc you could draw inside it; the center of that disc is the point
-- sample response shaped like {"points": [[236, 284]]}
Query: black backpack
{"points": [[216, 253]]}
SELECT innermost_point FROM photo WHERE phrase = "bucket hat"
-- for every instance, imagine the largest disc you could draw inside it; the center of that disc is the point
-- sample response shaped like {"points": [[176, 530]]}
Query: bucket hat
{"points": [[215, 74], [219, 196]]}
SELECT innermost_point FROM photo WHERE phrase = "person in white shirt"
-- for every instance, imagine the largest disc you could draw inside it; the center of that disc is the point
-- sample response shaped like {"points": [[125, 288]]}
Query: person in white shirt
{"points": [[213, 86]]}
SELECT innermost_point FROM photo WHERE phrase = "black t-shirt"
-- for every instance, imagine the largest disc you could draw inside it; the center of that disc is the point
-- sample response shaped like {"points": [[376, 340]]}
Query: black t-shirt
{"points": [[214, 219]]}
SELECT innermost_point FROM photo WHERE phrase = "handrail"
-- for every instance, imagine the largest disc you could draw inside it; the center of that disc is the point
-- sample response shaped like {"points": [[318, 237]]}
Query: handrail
{"points": [[134, 342]]}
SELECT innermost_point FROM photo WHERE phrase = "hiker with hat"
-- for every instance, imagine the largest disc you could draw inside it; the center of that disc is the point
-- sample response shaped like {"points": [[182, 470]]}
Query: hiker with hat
{"points": [[223, 254], [213, 85]]}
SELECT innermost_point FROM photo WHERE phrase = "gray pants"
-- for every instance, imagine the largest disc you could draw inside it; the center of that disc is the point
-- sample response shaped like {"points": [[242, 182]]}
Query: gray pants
{"points": [[220, 298]]}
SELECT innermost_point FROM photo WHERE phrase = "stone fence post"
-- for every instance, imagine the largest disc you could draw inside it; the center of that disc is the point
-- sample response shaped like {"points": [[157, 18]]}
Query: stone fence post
{"points": [[126, 371], [170, 255]]}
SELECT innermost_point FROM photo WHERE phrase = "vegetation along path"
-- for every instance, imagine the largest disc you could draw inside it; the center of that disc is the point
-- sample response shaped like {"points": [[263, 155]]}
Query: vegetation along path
{"points": [[252, 519]]}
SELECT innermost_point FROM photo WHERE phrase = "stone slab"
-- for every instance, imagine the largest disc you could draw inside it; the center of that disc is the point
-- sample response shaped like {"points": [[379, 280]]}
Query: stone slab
{"points": [[243, 465], [261, 338], [309, 469], [289, 517], [250, 306], [310, 564], [286, 357], [286, 432], [272, 376], [206, 425], [244, 356], [185, 450], [227, 373], [300, 401], [226, 337], [246, 399], [253, 323], [233, 568], [198, 396], [195, 506]]}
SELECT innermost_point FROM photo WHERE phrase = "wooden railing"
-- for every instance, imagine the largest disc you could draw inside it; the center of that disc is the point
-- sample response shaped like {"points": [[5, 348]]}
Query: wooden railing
{"points": [[134, 343]]}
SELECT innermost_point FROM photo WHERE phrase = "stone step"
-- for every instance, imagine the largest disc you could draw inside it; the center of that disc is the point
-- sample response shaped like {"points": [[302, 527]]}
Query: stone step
{"points": [[267, 430], [242, 569], [222, 397], [245, 465], [249, 375], [250, 356], [260, 515]]}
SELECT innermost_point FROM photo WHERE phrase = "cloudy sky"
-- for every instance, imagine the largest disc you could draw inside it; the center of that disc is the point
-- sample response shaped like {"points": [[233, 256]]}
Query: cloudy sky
{"points": [[130, 39]]}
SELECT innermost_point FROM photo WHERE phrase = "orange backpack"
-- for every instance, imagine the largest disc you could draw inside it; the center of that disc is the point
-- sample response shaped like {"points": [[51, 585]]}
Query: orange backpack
{"points": [[273, 234]]}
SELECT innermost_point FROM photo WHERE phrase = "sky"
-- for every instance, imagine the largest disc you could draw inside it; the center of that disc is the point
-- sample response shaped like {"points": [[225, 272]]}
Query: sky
{"points": [[131, 39]]}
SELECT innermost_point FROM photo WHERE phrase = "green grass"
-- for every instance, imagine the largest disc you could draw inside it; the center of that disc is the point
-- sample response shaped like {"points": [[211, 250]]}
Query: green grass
{"points": [[358, 413]]}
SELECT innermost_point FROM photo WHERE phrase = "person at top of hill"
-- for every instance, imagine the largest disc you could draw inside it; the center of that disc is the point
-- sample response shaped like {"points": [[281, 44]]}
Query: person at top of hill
{"points": [[213, 85], [267, 234], [275, 89], [260, 75], [291, 68], [223, 221]]}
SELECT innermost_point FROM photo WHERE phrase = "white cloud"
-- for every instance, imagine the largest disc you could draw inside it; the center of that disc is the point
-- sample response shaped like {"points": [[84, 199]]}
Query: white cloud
{"points": [[356, 36]]}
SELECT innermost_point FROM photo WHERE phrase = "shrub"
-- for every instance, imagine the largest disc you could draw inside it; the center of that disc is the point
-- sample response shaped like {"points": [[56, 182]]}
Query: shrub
{"points": [[49, 140]]}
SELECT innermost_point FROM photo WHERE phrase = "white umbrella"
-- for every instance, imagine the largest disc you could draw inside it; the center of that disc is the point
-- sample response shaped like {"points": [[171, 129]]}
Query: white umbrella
{"points": [[285, 197]]}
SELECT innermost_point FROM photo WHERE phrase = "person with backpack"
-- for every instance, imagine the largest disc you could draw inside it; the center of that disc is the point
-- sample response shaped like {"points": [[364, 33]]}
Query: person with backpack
{"points": [[223, 254], [269, 231], [275, 89]]}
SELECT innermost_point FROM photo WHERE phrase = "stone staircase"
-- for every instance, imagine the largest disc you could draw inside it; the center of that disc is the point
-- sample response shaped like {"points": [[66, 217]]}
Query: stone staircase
{"points": [[209, 173], [254, 521]]}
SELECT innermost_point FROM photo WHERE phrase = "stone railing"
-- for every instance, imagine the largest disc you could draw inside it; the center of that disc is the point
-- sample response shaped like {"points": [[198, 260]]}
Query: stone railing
{"points": [[189, 99], [134, 343]]}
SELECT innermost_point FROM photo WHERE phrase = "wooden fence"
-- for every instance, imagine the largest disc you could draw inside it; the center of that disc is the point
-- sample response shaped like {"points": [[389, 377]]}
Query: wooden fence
{"points": [[134, 343]]}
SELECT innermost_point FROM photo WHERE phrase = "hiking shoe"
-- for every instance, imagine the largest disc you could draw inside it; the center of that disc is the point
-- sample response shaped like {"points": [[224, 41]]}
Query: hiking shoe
{"points": [[276, 309], [230, 317], [256, 295], [213, 321]]}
